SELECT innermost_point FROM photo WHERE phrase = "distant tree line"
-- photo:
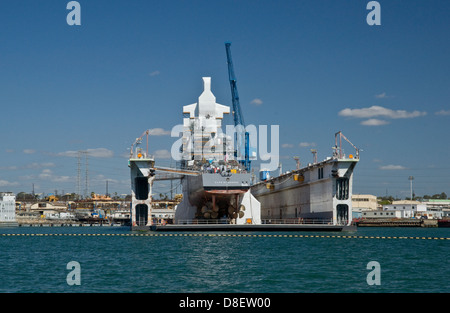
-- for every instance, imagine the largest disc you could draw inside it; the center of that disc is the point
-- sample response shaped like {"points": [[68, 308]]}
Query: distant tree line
{"points": [[29, 197], [441, 195], [390, 199]]}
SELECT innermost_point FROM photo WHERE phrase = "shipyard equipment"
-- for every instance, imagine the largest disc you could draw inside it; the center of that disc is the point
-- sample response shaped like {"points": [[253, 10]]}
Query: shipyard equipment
{"points": [[242, 151], [338, 148]]}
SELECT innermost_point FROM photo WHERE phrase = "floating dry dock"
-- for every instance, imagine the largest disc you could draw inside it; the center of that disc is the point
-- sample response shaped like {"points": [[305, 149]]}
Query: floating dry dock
{"points": [[218, 193]]}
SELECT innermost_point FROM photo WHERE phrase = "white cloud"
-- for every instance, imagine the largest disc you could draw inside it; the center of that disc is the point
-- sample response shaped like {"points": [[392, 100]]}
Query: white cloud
{"points": [[256, 102], [162, 154], [287, 145], [376, 110], [392, 167], [10, 168], [100, 153], [382, 95], [68, 153], [33, 166], [100, 180], [374, 122], [62, 179], [96, 153], [443, 112], [158, 132], [154, 73], [5, 183], [47, 174], [29, 151], [39, 165], [306, 144]]}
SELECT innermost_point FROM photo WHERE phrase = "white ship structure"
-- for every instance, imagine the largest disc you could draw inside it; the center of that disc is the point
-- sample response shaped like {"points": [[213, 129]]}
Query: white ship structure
{"points": [[220, 193]]}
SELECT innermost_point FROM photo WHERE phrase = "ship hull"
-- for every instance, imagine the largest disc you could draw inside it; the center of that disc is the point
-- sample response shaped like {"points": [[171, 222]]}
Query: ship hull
{"points": [[444, 223], [217, 199]]}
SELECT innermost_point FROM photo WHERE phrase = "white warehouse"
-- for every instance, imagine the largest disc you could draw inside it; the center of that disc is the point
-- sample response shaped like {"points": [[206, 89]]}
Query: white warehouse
{"points": [[405, 209]]}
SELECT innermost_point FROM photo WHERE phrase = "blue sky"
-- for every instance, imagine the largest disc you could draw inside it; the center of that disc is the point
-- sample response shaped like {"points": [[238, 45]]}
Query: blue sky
{"points": [[312, 67]]}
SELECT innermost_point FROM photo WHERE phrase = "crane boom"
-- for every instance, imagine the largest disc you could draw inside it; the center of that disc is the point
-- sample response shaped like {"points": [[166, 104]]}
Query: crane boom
{"points": [[242, 137], [237, 114]]}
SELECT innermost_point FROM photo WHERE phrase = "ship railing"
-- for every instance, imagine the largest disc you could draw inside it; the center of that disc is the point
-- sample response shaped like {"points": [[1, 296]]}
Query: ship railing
{"points": [[321, 221], [203, 221], [263, 221]]}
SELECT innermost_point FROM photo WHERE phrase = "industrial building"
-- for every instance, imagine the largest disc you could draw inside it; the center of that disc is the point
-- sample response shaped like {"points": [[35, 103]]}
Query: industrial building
{"points": [[364, 202], [7, 209], [405, 209]]}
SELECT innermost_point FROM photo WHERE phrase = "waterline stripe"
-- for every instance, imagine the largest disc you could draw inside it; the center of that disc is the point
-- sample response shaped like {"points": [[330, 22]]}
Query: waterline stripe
{"points": [[229, 235]]}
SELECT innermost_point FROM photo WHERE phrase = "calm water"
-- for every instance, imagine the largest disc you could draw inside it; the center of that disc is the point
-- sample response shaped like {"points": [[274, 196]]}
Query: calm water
{"points": [[223, 264]]}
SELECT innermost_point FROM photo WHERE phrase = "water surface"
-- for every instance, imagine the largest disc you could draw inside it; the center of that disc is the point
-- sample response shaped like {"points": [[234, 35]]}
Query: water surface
{"points": [[247, 262]]}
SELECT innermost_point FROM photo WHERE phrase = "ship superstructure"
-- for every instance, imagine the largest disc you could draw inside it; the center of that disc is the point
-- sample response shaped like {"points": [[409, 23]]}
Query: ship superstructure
{"points": [[203, 138]]}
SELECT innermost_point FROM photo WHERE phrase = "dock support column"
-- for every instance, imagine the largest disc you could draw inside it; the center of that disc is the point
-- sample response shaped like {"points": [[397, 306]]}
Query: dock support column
{"points": [[142, 176]]}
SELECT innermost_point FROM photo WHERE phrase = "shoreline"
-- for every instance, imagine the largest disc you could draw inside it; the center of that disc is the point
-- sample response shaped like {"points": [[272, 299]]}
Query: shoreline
{"points": [[62, 223], [397, 223]]}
